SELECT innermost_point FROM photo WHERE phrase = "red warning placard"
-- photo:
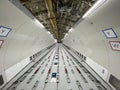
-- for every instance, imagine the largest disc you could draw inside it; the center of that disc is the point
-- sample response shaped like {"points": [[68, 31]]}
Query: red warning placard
{"points": [[1, 43], [115, 45]]}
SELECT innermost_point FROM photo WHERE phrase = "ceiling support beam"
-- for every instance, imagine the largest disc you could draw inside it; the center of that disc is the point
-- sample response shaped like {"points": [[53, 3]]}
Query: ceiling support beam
{"points": [[51, 15]]}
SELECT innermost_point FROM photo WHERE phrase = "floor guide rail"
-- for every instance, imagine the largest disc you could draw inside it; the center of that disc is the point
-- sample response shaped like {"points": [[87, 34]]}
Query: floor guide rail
{"points": [[58, 70]]}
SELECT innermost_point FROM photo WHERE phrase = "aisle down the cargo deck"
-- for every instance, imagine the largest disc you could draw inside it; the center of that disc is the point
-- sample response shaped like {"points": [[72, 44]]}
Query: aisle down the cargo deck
{"points": [[57, 70]]}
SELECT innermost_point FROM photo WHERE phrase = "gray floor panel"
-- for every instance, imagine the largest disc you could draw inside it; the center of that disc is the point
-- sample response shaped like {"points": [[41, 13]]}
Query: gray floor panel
{"points": [[46, 75]]}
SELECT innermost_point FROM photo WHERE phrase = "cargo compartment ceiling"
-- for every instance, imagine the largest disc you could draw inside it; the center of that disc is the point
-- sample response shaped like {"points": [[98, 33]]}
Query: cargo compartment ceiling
{"points": [[58, 16]]}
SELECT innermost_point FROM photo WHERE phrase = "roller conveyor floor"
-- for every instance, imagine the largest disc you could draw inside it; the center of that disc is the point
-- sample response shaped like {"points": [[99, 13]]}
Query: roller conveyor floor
{"points": [[57, 70]]}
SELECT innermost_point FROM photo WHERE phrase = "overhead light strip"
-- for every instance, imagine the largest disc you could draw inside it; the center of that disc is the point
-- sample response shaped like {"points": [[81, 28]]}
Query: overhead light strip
{"points": [[38, 23], [93, 8], [48, 32], [70, 30]]}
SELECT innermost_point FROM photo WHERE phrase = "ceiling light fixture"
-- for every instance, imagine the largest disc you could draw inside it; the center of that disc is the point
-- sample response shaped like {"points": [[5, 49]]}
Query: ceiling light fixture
{"points": [[66, 34], [71, 30], [38, 23], [55, 40], [48, 32], [93, 8]]}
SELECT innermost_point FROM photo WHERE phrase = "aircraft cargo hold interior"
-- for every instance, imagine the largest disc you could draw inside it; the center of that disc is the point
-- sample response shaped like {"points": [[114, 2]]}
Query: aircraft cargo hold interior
{"points": [[57, 69], [59, 45]]}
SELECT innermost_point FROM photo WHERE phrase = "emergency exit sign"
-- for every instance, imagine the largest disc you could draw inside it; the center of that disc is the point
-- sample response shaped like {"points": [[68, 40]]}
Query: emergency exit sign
{"points": [[4, 31], [115, 45]]}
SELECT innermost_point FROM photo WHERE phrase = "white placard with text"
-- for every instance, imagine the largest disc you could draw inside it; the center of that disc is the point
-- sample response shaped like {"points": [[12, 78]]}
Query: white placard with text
{"points": [[110, 33], [4, 31]]}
